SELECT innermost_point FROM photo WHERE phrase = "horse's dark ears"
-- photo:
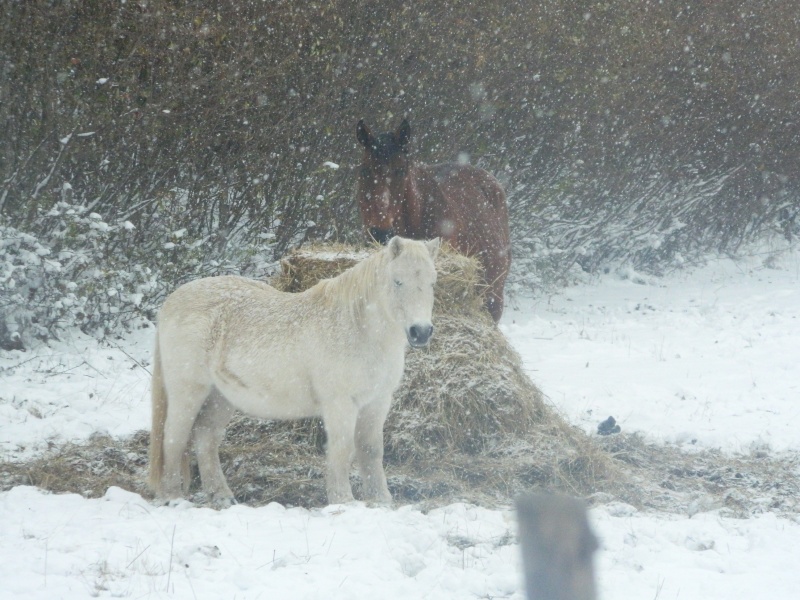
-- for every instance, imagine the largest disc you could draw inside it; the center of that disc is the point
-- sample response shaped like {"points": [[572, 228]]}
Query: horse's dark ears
{"points": [[363, 134], [403, 134]]}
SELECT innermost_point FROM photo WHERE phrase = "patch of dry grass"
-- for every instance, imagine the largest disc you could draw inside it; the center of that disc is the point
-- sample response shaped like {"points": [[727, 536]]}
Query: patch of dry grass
{"points": [[87, 468], [270, 462], [665, 477]]}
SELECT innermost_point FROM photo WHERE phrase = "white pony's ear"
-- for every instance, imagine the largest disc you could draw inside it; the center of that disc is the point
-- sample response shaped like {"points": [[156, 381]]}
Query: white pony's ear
{"points": [[433, 247], [395, 246]]}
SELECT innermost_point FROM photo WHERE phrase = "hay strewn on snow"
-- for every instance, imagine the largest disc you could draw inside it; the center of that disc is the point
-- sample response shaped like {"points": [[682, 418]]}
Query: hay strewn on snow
{"points": [[467, 424]]}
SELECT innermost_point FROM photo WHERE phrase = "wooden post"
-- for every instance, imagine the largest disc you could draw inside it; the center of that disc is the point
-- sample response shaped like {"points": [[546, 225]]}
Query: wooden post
{"points": [[557, 548]]}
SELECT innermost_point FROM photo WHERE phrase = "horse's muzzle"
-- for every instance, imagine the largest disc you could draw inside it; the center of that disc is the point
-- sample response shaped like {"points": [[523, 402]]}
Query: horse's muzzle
{"points": [[419, 335], [382, 236]]}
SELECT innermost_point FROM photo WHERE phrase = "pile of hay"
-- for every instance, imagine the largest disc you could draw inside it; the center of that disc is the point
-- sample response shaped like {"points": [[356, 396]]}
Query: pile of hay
{"points": [[466, 422]]}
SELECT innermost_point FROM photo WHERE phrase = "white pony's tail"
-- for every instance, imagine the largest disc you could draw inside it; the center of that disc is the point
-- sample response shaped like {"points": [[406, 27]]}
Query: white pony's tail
{"points": [[159, 401]]}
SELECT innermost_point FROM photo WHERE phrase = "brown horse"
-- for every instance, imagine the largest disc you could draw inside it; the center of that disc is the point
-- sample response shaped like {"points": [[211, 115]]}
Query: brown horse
{"points": [[462, 204]]}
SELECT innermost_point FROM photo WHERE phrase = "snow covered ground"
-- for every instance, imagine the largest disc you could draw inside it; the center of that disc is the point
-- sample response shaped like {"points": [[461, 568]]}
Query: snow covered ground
{"points": [[706, 358]]}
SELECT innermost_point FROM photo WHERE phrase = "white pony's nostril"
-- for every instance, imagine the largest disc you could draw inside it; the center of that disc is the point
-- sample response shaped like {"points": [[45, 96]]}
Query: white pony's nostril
{"points": [[419, 335]]}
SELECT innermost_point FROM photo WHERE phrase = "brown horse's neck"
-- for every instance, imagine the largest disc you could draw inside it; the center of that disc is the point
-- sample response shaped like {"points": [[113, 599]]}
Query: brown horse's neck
{"points": [[420, 188], [412, 215]]}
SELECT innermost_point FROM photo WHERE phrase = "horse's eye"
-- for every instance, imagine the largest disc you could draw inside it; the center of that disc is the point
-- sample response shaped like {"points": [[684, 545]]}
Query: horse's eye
{"points": [[400, 172], [365, 172]]}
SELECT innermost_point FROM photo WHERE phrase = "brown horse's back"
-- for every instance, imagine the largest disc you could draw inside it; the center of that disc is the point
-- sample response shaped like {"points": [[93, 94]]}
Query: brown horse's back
{"points": [[458, 176], [476, 206]]}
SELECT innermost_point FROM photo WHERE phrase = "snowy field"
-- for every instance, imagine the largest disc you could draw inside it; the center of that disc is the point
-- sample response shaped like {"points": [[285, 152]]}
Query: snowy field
{"points": [[706, 358]]}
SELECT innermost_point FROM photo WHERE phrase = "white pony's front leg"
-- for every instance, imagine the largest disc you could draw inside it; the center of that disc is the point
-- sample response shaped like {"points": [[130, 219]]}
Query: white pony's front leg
{"points": [[340, 424], [369, 451]]}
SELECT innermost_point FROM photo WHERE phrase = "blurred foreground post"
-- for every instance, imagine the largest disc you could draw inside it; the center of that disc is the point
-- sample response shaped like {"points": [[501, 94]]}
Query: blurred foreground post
{"points": [[557, 548]]}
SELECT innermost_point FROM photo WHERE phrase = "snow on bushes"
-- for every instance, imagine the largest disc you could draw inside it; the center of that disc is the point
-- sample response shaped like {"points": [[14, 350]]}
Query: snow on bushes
{"points": [[100, 276], [68, 276]]}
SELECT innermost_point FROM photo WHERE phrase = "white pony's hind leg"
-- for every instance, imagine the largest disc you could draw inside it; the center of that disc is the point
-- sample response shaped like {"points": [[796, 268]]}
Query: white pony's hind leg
{"points": [[185, 401], [340, 424], [369, 451], [209, 430]]}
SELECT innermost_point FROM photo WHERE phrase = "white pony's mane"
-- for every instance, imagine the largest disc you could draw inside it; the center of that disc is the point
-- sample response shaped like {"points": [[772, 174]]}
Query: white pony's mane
{"points": [[357, 287]]}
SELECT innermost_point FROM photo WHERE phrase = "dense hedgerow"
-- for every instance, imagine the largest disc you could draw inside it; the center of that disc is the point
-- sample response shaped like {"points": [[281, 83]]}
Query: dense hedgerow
{"points": [[642, 131]]}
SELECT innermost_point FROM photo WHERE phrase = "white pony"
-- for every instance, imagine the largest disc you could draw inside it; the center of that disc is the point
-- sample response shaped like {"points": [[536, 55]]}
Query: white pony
{"points": [[336, 351]]}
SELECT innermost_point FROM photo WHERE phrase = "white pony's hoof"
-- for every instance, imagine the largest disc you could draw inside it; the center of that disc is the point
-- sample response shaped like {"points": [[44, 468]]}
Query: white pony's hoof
{"points": [[174, 502], [214, 501], [340, 507], [341, 499], [222, 503]]}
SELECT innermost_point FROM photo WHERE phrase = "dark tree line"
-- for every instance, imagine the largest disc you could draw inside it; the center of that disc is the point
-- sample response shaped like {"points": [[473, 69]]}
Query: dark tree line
{"points": [[641, 130]]}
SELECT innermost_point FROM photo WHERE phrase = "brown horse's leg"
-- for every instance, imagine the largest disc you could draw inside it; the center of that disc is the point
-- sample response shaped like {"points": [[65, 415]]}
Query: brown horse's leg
{"points": [[496, 270], [495, 303]]}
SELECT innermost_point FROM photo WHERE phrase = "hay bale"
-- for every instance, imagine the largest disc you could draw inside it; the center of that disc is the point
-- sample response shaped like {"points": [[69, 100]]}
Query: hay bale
{"points": [[459, 288], [466, 415], [306, 266], [463, 392]]}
